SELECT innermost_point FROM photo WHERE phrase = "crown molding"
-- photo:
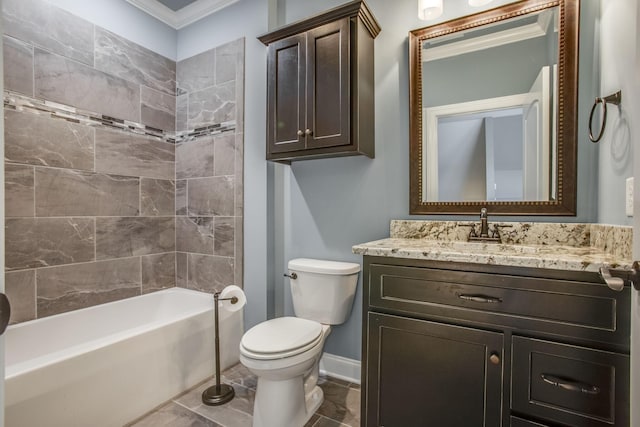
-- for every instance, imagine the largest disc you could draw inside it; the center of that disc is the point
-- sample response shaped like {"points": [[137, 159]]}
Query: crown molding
{"points": [[183, 17]]}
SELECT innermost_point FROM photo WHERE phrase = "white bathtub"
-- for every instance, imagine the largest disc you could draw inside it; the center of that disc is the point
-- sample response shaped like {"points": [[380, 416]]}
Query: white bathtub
{"points": [[109, 364]]}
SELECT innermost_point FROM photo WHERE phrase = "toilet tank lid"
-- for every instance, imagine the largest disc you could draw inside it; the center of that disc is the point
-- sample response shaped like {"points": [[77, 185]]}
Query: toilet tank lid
{"points": [[309, 265]]}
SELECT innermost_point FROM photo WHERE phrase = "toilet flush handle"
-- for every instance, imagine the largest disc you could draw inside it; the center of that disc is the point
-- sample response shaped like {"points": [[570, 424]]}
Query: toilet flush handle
{"points": [[292, 276]]}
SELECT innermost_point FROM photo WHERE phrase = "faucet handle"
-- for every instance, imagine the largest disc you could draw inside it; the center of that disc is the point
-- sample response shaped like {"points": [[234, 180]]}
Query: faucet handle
{"points": [[473, 232], [496, 231]]}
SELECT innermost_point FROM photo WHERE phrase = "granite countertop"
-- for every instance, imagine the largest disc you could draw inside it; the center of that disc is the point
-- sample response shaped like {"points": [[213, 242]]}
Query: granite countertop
{"points": [[581, 247]]}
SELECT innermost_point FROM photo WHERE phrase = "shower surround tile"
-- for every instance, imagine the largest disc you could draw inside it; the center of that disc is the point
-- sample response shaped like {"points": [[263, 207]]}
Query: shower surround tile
{"points": [[43, 24], [18, 66], [20, 287], [130, 61], [62, 80], [157, 197], [214, 105], [194, 159], [223, 236], [211, 196], [18, 187], [43, 242], [181, 197], [224, 155], [194, 235], [158, 109], [197, 72], [64, 192], [228, 57], [209, 273], [126, 154], [181, 269], [182, 106], [158, 272], [132, 236], [45, 141], [71, 287]]}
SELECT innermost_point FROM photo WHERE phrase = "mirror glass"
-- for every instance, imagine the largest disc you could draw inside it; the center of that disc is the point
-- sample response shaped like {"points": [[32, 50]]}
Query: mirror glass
{"points": [[490, 92]]}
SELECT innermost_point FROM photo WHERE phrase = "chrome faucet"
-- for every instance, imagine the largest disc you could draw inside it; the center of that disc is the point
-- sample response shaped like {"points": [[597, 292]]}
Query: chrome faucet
{"points": [[484, 236]]}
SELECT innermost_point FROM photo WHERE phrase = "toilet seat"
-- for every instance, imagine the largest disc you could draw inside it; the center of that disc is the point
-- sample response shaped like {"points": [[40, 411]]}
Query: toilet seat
{"points": [[281, 337]]}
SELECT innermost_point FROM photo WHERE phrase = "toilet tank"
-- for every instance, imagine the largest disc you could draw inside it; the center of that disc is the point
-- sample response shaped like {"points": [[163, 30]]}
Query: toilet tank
{"points": [[323, 290]]}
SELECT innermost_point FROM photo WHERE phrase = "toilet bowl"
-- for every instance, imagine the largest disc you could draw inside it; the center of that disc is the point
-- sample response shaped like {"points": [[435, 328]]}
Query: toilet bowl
{"points": [[284, 353]]}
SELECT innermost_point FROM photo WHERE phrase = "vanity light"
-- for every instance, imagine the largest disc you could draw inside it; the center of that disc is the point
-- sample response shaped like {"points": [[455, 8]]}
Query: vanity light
{"points": [[477, 3], [429, 9]]}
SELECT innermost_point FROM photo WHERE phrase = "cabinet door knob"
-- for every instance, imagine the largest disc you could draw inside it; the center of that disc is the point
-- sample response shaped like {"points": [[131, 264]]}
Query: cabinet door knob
{"points": [[300, 133], [307, 132], [494, 358]]}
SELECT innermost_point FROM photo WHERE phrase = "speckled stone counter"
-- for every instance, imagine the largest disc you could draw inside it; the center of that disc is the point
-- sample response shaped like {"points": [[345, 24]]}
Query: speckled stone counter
{"points": [[560, 246]]}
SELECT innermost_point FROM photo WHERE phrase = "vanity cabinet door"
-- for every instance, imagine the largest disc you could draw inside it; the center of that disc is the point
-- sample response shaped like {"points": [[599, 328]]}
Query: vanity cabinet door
{"points": [[422, 373]]}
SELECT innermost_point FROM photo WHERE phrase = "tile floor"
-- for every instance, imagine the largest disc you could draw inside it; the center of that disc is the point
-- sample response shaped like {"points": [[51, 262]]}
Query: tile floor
{"points": [[341, 406]]}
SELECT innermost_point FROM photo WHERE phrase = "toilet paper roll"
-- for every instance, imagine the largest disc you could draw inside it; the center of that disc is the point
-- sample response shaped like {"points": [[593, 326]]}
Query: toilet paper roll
{"points": [[230, 292]]}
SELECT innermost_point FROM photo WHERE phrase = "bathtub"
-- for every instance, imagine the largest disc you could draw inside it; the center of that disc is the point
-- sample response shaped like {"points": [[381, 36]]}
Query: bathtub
{"points": [[109, 364]]}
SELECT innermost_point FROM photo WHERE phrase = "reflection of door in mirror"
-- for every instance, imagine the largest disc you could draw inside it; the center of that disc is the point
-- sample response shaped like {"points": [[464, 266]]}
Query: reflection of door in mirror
{"points": [[488, 99]]}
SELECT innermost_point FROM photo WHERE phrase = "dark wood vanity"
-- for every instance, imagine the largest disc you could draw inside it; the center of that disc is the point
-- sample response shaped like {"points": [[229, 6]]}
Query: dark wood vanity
{"points": [[320, 87], [460, 344]]}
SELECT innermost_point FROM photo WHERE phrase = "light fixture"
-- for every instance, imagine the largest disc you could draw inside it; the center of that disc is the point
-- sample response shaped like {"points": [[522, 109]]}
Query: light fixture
{"points": [[477, 3], [429, 9]]}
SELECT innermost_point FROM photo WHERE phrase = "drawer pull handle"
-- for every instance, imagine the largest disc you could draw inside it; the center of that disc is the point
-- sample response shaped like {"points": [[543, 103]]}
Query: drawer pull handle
{"points": [[480, 298], [570, 385]]}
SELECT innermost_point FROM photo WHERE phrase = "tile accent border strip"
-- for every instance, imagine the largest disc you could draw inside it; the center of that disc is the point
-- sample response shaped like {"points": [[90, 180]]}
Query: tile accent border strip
{"points": [[18, 102]]}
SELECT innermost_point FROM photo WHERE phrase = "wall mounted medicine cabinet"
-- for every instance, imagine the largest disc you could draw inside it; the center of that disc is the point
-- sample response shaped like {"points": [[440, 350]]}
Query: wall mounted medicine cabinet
{"points": [[320, 85]]}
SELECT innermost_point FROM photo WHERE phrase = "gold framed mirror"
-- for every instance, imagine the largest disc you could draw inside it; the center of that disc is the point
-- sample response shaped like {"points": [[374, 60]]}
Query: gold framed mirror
{"points": [[493, 111]]}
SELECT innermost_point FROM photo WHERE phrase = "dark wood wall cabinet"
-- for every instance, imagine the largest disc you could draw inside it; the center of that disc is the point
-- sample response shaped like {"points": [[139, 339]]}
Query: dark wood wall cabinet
{"points": [[470, 345], [320, 85]]}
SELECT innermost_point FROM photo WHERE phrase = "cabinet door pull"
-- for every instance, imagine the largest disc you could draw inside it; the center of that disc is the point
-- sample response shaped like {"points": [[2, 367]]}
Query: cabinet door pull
{"points": [[480, 298], [300, 133], [570, 385], [308, 132]]}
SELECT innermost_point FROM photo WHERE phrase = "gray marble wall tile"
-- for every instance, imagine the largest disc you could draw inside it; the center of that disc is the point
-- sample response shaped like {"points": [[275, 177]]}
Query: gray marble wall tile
{"points": [[197, 72], [239, 252], [224, 154], [181, 197], [42, 242], [223, 232], [130, 61], [194, 159], [44, 24], [194, 234], [227, 58], [181, 269], [157, 197], [125, 154], [239, 175], [158, 272], [209, 273], [70, 287], [18, 187], [64, 192], [211, 196], [18, 66], [239, 80], [45, 141], [62, 80], [20, 287], [214, 105], [157, 109], [132, 236], [182, 111]]}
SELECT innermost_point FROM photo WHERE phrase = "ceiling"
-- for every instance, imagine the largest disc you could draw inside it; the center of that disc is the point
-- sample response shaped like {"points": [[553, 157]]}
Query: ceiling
{"points": [[180, 13]]}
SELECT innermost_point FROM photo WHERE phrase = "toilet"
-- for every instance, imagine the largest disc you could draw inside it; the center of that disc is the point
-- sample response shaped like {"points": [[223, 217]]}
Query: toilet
{"points": [[284, 353]]}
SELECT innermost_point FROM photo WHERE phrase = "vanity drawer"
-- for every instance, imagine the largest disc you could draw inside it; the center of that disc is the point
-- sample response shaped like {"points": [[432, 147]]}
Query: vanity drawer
{"points": [[572, 385], [576, 309]]}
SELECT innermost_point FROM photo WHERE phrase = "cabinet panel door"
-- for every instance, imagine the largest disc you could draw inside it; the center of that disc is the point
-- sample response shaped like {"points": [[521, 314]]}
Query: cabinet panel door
{"points": [[328, 85], [286, 65], [422, 373]]}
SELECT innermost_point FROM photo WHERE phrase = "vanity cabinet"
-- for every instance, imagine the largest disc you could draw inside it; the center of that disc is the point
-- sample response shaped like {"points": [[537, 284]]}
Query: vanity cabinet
{"points": [[456, 344], [320, 85]]}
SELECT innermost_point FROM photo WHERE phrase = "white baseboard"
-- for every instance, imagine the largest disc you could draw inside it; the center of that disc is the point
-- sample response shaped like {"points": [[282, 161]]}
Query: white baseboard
{"points": [[340, 367]]}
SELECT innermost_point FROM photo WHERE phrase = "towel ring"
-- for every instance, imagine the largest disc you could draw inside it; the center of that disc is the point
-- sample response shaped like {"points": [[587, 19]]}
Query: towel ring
{"points": [[614, 99]]}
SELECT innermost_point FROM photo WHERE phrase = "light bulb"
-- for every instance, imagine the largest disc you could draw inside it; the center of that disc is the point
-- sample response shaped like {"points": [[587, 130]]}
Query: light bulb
{"points": [[429, 9]]}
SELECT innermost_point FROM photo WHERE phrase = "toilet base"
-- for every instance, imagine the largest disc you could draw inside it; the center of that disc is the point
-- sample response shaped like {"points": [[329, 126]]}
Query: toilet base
{"points": [[293, 412]]}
